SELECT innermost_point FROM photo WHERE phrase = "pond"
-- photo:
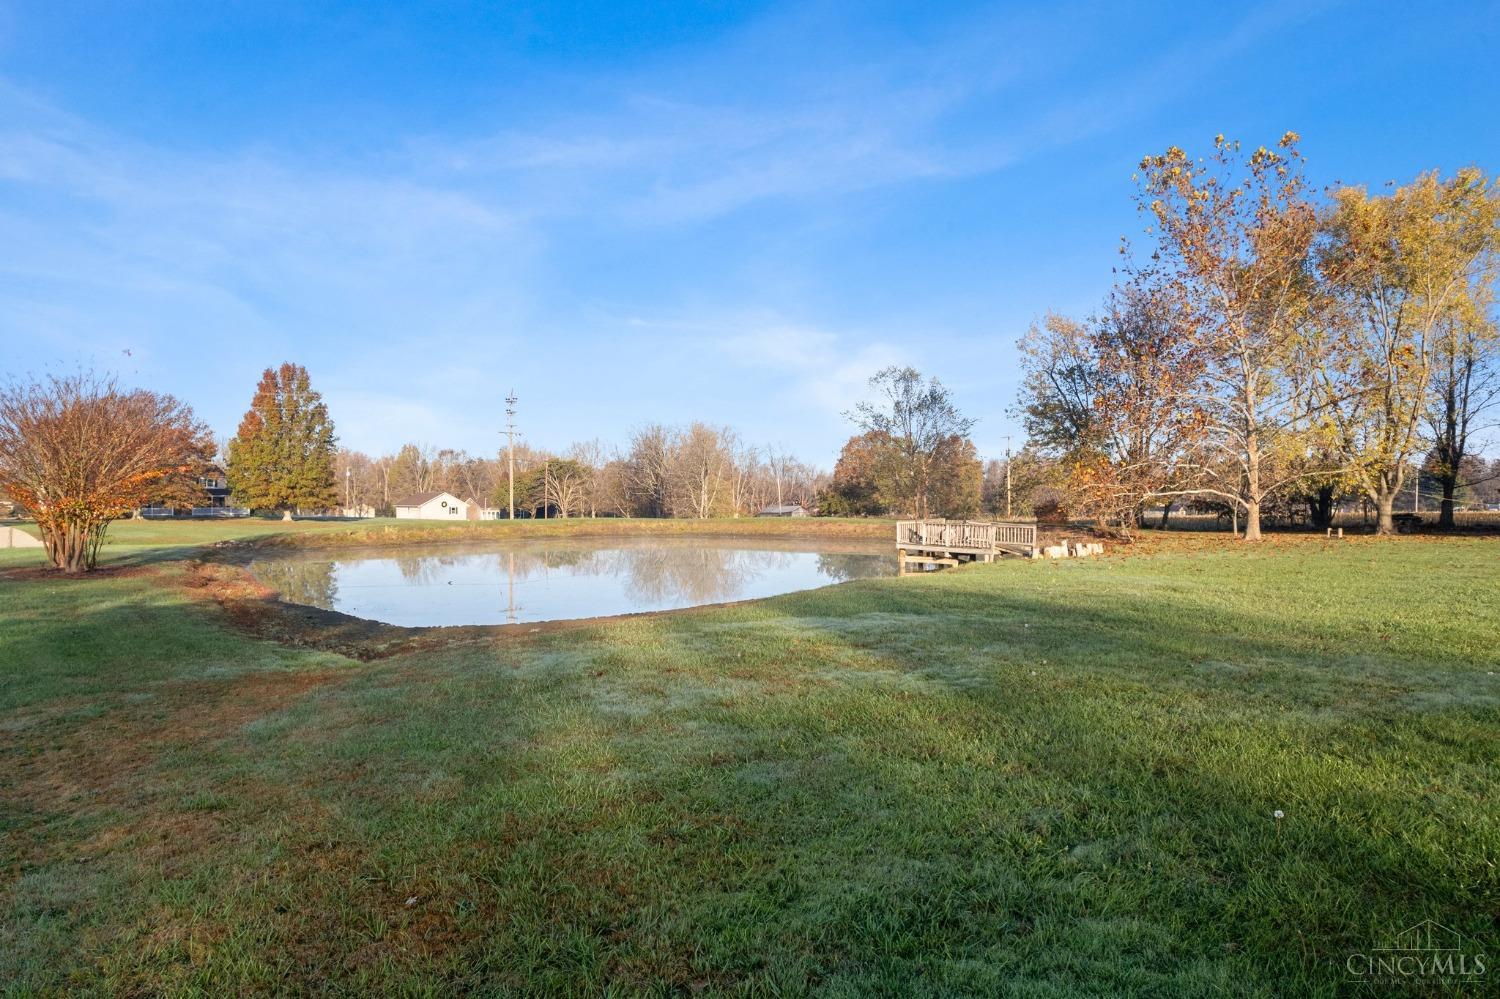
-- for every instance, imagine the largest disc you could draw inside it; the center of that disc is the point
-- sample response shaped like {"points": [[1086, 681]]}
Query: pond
{"points": [[426, 586]]}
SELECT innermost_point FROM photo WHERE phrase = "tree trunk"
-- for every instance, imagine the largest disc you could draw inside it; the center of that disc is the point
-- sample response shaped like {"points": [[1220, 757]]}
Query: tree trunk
{"points": [[1385, 523], [1252, 493], [1450, 487], [67, 548], [1320, 507], [1386, 486], [1166, 513], [1252, 520], [73, 554]]}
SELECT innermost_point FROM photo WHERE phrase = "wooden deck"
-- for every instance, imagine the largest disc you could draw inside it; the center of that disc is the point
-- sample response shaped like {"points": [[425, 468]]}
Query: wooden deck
{"points": [[952, 542]]}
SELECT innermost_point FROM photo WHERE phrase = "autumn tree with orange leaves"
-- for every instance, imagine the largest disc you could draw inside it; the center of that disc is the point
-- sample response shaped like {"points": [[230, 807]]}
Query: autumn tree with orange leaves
{"points": [[1103, 399], [78, 452]]}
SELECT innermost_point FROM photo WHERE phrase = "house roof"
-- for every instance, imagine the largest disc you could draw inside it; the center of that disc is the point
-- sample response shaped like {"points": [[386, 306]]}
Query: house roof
{"points": [[422, 499]]}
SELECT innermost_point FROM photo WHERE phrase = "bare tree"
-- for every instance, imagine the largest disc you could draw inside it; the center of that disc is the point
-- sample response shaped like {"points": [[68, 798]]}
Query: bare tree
{"points": [[413, 470], [918, 418], [383, 466], [565, 484], [471, 478], [648, 466], [591, 455], [612, 488], [1466, 388], [778, 464], [744, 466], [700, 464], [359, 479]]}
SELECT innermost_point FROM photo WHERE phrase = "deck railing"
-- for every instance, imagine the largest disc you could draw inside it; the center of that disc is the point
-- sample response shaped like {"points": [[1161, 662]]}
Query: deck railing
{"points": [[964, 535], [1008, 535], [220, 511]]}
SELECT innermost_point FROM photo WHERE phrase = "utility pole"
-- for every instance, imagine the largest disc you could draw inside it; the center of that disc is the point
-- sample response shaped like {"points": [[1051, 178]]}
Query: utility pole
{"points": [[1007, 476], [546, 485], [1416, 491], [510, 433]]}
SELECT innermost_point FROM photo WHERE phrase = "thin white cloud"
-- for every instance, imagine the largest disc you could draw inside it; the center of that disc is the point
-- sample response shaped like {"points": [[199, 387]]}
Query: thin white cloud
{"points": [[377, 422], [828, 370]]}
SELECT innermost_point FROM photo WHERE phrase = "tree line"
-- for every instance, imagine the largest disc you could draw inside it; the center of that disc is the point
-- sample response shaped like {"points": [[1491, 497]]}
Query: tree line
{"points": [[1272, 345], [912, 456], [285, 457], [696, 470]]}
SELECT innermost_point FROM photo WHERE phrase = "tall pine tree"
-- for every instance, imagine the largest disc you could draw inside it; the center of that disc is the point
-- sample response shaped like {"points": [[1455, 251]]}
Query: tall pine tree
{"points": [[282, 456]]}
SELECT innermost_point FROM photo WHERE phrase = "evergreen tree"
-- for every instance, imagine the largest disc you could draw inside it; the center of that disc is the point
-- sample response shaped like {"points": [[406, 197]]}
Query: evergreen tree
{"points": [[282, 456]]}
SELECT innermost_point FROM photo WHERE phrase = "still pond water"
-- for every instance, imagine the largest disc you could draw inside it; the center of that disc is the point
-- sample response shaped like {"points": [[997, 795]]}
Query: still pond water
{"points": [[420, 586]]}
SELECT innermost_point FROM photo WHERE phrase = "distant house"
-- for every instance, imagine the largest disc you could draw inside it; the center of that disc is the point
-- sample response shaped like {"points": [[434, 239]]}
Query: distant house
{"points": [[784, 510], [215, 483], [433, 506]]}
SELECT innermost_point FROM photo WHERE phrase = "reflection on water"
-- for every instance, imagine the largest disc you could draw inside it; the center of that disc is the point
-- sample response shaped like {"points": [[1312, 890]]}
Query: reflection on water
{"points": [[546, 581], [299, 581]]}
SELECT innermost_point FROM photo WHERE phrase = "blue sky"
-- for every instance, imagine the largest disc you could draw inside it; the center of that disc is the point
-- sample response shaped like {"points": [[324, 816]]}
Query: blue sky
{"points": [[655, 212]]}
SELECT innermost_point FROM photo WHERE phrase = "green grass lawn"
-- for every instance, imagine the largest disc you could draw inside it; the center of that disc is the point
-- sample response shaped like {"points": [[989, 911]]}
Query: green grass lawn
{"points": [[157, 540], [1037, 779]]}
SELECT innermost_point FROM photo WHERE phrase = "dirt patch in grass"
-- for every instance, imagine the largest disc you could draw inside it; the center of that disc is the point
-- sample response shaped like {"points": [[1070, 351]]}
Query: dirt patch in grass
{"points": [[254, 608], [46, 573], [110, 765], [99, 758]]}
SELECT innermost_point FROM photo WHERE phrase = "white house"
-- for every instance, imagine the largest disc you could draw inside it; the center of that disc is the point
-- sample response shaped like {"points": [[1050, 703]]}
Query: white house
{"points": [[432, 506]]}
